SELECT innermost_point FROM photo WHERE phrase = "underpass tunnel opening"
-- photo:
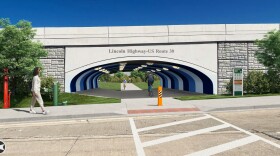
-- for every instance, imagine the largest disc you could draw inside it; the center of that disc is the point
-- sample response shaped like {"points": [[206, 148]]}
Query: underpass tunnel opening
{"points": [[171, 75]]}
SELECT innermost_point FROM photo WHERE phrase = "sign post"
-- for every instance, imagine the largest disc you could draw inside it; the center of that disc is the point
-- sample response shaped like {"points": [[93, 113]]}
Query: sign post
{"points": [[237, 85], [55, 93]]}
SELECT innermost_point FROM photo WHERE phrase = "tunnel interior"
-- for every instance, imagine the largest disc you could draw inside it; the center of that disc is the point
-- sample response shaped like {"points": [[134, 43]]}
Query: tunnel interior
{"points": [[172, 76]]}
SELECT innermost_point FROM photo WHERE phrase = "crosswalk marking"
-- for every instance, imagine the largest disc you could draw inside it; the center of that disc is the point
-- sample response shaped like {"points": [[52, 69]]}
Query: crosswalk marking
{"points": [[244, 131], [172, 124], [209, 151], [184, 135], [137, 141], [225, 147]]}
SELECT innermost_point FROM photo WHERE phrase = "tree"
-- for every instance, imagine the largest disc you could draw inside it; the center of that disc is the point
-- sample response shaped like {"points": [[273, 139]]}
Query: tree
{"points": [[140, 74], [269, 56], [119, 74], [274, 81], [269, 53], [105, 77], [19, 53]]}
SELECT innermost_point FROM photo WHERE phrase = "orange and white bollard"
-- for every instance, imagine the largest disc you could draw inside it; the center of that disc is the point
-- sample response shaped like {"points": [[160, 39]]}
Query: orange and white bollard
{"points": [[160, 96]]}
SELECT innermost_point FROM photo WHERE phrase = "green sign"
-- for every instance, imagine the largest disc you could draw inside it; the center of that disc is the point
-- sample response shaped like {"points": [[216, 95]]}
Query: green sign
{"points": [[237, 82], [237, 70]]}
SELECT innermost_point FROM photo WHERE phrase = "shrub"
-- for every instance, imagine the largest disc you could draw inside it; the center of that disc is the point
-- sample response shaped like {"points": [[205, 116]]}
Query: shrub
{"points": [[273, 78], [257, 82], [229, 86], [140, 74], [105, 78], [133, 80], [115, 79], [47, 88], [22, 89], [138, 79]]}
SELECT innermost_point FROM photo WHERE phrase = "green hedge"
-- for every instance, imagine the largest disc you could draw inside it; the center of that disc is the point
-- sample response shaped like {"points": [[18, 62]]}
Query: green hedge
{"points": [[258, 82]]}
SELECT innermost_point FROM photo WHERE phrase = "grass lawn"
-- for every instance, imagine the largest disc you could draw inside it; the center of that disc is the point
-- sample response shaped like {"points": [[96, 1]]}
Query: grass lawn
{"points": [[72, 99], [204, 97], [110, 85], [144, 85]]}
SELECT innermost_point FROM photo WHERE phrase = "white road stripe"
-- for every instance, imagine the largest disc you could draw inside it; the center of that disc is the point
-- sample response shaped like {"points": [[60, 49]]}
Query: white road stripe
{"points": [[172, 124], [137, 141], [184, 135], [249, 133], [225, 147], [43, 123], [58, 122]]}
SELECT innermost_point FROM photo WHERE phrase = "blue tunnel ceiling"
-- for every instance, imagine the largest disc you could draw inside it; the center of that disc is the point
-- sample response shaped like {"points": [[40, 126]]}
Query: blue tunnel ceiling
{"points": [[173, 76]]}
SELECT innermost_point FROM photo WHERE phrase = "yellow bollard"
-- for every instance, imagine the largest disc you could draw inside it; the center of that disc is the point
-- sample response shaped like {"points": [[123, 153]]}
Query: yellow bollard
{"points": [[160, 96]]}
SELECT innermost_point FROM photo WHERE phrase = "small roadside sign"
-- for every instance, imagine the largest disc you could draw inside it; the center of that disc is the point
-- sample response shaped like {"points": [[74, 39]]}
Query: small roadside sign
{"points": [[237, 82]]}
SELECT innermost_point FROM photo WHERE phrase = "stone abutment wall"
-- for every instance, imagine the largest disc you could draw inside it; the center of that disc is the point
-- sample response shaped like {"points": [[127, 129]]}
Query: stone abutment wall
{"points": [[235, 55], [54, 64]]}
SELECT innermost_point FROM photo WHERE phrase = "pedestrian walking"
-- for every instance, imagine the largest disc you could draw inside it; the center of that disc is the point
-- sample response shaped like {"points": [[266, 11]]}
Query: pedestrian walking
{"points": [[150, 79], [36, 95], [124, 84]]}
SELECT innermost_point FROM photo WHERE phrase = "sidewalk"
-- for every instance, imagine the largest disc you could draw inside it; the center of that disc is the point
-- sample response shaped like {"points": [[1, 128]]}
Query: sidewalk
{"points": [[130, 86], [141, 106], [63, 112], [236, 103]]}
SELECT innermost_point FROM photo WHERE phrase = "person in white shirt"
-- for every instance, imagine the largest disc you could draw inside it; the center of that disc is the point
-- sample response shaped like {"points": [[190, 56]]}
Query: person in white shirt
{"points": [[36, 95], [124, 84]]}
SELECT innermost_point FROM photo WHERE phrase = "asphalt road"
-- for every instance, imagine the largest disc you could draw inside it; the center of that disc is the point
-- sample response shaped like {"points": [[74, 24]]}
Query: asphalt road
{"points": [[130, 94], [221, 133]]}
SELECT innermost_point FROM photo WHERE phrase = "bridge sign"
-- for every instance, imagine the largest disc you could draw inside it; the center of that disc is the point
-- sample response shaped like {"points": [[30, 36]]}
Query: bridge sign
{"points": [[237, 81]]}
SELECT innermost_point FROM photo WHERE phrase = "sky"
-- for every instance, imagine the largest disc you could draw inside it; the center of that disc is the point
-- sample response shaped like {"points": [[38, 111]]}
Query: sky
{"points": [[91, 13]]}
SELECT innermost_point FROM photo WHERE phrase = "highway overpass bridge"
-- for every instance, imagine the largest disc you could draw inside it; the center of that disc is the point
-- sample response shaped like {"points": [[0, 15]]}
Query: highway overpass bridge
{"points": [[195, 58]]}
